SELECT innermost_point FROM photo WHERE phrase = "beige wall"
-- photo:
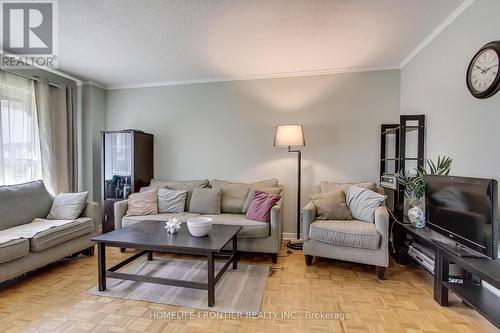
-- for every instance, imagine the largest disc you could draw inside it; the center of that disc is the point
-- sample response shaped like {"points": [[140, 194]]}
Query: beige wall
{"points": [[225, 130]]}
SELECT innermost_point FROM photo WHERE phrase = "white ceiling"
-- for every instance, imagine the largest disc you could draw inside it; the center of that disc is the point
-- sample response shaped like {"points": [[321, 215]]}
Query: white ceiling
{"points": [[134, 42]]}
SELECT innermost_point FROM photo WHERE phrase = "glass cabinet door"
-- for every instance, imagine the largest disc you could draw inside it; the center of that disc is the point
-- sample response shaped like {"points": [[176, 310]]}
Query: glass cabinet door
{"points": [[117, 165]]}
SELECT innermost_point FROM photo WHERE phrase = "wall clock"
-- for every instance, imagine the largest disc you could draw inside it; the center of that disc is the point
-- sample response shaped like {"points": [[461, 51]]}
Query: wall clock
{"points": [[483, 75]]}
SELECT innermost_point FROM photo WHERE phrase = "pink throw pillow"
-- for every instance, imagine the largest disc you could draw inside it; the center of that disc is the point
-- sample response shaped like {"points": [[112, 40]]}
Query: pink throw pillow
{"points": [[260, 208], [143, 203]]}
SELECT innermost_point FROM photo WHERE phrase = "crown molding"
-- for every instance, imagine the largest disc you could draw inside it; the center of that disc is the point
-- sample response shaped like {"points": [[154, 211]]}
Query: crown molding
{"points": [[452, 17], [92, 83], [251, 77]]}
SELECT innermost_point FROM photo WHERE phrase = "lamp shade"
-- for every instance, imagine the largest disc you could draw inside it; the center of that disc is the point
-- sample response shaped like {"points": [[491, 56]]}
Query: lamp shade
{"points": [[289, 135]]}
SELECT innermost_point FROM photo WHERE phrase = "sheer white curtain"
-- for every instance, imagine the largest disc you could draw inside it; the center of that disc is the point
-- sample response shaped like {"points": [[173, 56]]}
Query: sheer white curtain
{"points": [[19, 138]]}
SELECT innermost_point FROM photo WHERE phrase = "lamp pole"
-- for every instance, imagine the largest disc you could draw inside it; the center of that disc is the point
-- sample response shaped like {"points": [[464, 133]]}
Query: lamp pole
{"points": [[297, 245]]}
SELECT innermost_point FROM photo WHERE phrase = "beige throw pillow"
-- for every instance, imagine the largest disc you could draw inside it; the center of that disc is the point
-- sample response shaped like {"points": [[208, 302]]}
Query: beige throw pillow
{"points": [[67, 206], [143, 203], [331, 206], [205, 201], [234, 195]]}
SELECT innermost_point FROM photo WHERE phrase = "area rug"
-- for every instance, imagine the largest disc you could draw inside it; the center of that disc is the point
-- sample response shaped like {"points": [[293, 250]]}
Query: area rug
{"points": [[238, 291]]}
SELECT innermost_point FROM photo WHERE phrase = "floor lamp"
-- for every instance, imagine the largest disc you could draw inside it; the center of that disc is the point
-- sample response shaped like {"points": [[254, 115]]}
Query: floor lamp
{"points": [[292, 136]]}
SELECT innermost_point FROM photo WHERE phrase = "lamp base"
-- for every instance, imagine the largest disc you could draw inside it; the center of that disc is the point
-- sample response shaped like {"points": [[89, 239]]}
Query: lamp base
{"points": [[294, 245]]}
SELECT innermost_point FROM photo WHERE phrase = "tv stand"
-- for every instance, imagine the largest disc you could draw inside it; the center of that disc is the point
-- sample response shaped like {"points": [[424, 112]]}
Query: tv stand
{"points": [[474, 294], [458, 250], [471, 291]]}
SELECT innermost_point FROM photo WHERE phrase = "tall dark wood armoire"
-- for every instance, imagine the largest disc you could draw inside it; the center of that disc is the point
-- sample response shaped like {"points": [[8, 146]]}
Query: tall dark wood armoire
{"points": [[126, 166]]}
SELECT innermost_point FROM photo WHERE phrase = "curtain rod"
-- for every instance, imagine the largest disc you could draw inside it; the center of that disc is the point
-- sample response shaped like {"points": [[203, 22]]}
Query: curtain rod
{"points": [[34, 78]]}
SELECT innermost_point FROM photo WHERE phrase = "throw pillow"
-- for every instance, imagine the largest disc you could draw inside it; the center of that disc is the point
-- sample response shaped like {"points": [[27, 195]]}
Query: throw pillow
{"points": [[234, 195], [171, 201], [143, 203], [363, 202], [268, 186], [205, 201], [331, 206], [260, 208], [67, 206], [187, 185]]}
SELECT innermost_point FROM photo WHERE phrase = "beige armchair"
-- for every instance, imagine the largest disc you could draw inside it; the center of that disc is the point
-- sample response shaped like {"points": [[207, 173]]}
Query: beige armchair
{"points": [[354, 241]]}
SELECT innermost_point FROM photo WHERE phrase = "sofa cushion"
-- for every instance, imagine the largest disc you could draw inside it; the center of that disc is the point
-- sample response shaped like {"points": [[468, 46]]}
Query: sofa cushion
{"points": [[21, 204], [59, 234], [188, 185], [346, 233], [67, 206], [205, 201], [129, 220], [251, 229], [332, 186], [234, 195], [14, 249]]}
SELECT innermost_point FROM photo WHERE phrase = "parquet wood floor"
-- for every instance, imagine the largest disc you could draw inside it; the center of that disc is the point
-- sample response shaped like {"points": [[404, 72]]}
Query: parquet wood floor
{"points": [[55, 300]]}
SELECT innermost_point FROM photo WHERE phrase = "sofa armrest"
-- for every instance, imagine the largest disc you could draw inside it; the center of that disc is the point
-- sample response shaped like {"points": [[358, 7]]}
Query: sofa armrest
{"points": [[120, 209], [308, 217], [276, 220], [91, 210]]}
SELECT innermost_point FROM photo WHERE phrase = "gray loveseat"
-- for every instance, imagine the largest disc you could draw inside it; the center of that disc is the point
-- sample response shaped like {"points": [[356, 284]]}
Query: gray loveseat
{"points": [[19, 206], [255, 236], [355, 241]]}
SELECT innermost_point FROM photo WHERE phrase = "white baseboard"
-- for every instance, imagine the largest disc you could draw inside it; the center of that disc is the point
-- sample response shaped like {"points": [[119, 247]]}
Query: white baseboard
{"points": [[289, 236]]}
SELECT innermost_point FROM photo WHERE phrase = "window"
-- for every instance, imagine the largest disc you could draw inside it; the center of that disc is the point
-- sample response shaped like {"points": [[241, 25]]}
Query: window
{"points": [[19, 139]]}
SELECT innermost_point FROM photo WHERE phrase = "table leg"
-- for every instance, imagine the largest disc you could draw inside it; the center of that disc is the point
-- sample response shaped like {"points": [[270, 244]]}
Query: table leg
{"points": [[235, 252], [150, 255], [211, 280], [441, 274], [101, 266]]}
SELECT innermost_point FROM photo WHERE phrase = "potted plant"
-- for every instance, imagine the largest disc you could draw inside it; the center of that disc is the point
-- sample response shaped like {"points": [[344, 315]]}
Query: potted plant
{"points": [[415, 187]]}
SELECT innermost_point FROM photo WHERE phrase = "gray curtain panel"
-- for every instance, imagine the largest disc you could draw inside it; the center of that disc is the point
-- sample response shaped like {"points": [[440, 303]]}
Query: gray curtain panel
{"points": [[56, 122]]}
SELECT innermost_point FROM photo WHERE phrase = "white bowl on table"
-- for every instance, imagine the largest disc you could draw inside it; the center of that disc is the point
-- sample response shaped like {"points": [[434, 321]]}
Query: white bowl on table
{"points": [[199, 226]]}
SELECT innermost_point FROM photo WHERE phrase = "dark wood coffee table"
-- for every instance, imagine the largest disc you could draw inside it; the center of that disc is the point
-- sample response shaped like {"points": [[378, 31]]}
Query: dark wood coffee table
{"points": [[150, 236]]}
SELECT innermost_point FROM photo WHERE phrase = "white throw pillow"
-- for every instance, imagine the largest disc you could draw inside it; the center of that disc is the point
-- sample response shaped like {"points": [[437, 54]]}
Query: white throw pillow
{"points": [[67, 206], [363, 202], [171, 201]]}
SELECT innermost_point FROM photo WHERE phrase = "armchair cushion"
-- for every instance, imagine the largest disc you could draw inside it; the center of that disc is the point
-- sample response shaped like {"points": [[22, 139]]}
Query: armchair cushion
{"points": [[346, 233], [331, 206], [363, 202]]}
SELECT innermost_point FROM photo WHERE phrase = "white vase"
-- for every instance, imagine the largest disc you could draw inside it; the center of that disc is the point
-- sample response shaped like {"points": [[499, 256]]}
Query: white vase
{"points": [[417, 216]]}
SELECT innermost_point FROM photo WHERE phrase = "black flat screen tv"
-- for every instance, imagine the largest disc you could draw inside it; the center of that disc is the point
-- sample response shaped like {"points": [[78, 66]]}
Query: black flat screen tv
{"points": [[465, 210]]}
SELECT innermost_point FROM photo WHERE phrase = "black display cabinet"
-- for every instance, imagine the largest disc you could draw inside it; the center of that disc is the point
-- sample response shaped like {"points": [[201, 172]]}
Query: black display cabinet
{"points": [[127, 165]]}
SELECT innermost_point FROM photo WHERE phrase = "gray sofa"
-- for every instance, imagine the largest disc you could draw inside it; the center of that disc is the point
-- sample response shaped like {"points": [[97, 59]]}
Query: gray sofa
{"points": [[19, 206], [354, 241], [255, 236]]}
